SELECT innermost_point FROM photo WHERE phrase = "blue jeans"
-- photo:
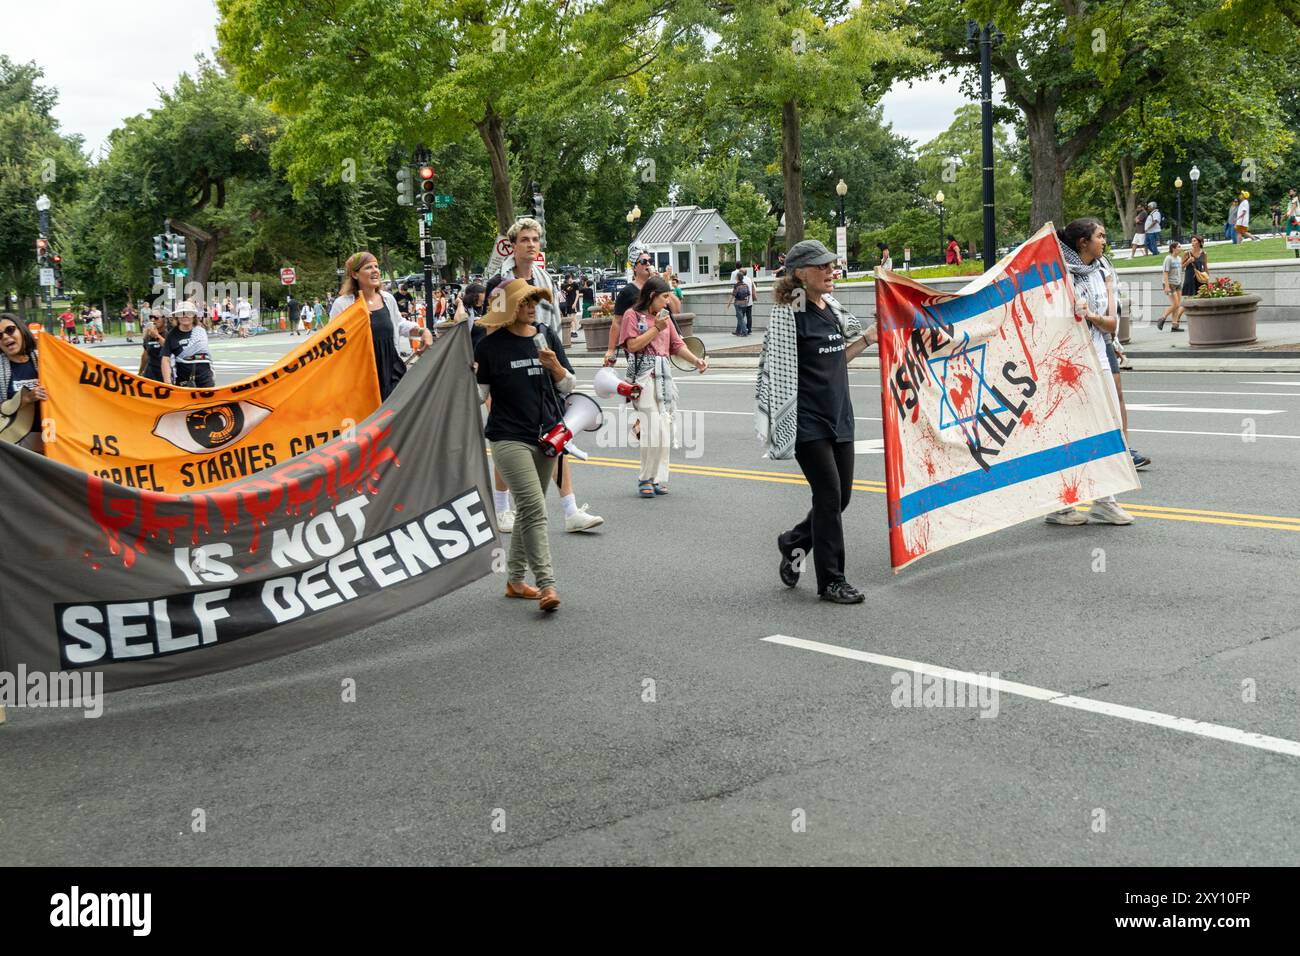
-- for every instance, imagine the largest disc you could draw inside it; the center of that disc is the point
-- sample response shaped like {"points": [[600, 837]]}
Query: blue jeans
{"points": [[740, 319], [1153, 242]]}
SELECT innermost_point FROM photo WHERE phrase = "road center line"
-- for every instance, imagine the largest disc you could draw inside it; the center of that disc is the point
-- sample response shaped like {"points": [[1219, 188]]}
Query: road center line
{"points": [[1200, 728]]}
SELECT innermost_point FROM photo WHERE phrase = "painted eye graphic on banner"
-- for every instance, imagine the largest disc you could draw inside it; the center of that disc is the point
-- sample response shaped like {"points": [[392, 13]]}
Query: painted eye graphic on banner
{"points": [[207, 428]]}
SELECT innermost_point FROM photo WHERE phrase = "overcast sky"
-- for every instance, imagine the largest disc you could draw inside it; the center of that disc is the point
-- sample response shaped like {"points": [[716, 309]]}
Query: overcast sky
{"points": [[107, 60]]}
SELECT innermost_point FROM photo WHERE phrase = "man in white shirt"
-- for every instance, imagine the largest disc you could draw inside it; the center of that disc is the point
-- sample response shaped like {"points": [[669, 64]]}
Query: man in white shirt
{"points": [[1243, 219], [1153, 229]]}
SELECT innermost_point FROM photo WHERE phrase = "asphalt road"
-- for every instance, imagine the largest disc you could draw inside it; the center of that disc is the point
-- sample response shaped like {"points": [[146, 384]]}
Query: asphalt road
{"points": [[484, 734]]}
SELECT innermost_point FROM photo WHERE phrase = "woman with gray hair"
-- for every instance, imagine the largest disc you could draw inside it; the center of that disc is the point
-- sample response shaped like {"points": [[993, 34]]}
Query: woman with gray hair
{"points": [[804, 411]]}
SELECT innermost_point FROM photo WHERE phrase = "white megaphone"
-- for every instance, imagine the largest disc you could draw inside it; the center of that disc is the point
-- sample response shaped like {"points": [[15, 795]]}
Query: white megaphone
{"points": [[581, 414], [608, 384]]}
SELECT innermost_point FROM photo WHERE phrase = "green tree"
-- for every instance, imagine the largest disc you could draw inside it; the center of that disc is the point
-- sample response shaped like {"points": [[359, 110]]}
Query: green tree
{"points": [[35, 159], [746, 212]]}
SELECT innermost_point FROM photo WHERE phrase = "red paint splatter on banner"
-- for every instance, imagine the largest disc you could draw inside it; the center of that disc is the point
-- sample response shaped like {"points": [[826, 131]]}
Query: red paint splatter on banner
{"points": [[1065, 381], [962, 393], [1069, 491], [1027, 418], [399, 507]]}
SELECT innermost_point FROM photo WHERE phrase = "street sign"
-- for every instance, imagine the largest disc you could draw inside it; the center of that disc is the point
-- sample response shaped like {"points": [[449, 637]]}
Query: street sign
{"points": [[842, 243], [439, 249], [181, 271], [47, 277], [442, 202], [288, 276], [1293, 240]]}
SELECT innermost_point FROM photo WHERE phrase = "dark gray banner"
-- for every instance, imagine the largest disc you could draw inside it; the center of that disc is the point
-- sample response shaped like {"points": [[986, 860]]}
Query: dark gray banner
{"points": [[150, 587]]}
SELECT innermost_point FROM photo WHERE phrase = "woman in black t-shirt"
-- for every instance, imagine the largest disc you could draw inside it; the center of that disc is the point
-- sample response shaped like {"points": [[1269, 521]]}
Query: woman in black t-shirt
{"points": [[153, 338], [185, 357], [804, 410], [522, 368]]}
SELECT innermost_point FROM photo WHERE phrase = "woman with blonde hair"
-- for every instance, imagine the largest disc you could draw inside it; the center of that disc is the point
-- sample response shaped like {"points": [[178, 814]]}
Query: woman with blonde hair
{"points": [[522, 368], [362, 279]]}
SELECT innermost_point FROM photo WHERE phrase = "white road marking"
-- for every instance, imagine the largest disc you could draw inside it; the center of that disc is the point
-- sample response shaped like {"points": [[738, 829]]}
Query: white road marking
{"points": [[1237, 435], [869, 446], [1206, 411], [1200, 728], [1177, 391], [1276, 381]]}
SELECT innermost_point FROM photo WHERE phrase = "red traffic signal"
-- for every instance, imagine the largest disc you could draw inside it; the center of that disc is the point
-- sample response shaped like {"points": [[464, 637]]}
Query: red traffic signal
{"points": [[41, 245], [426, 173], [58, 260]]}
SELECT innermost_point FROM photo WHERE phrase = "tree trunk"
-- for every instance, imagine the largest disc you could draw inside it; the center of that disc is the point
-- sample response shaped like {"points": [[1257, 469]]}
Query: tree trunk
{"points": [[200, 250], [1121, 184], [1047, 169], [792, 171], [490, 131]]}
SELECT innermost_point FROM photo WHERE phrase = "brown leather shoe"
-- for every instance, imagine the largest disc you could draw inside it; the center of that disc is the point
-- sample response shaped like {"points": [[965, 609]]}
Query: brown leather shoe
{"points": [[549, 599], [522, 590]]}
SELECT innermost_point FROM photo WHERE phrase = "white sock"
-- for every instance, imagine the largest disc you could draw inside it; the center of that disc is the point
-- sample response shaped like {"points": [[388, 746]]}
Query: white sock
{"points": [[570, 503], [501, 499]]}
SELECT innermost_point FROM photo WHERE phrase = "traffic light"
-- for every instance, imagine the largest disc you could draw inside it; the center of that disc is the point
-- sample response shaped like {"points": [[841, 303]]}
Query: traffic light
{"points": [[58, 262], [42, 249], [427, 186], [176, 248], [160, 248], [405, 188], [539, 211]]}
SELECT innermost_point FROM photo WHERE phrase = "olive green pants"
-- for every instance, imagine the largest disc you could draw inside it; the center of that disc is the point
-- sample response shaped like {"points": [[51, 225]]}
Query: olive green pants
{"points": [[527, 471]]}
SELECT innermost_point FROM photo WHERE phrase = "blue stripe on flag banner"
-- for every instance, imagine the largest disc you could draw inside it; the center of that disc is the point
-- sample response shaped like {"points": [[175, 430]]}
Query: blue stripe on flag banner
{"points": [[991, 297], [1024, 468]]}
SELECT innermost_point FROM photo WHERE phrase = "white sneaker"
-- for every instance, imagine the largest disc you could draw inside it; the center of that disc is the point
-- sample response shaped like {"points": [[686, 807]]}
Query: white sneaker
{"points": [[506, 521], [1067, 516], [581, 521], [1109, 512]]}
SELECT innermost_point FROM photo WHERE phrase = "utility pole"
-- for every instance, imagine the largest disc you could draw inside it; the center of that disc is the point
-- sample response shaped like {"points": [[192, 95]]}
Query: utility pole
{"points": [[42, 251], [984, 37]]}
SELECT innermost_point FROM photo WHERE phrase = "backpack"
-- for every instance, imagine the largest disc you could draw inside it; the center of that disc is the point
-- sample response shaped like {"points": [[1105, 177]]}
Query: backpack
{"points": [[741, 293]]}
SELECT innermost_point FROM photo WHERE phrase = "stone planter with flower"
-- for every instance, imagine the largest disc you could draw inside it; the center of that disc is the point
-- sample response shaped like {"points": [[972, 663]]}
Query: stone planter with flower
{"points": [[1221, 313], [596, 326]]}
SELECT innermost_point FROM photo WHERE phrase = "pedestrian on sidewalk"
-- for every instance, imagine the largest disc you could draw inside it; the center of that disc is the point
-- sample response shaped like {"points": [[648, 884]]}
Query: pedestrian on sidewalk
{"points": [[1152, 227], [953, 255], [1230, 227], [1172, 275], [1243, 219], [650, 337], [740, 301], [803, 410], [524, 380], [1082, 243], [128, 320], [1292, 211], [1139, 245], [1196, 267]]}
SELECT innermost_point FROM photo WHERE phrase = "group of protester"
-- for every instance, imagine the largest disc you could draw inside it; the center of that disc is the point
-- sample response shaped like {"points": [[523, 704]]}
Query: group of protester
{"points": [[803, 407]]}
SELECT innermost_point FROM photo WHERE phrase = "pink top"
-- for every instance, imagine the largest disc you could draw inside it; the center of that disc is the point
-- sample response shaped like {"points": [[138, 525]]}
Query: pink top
{"points": [[635, 323]]}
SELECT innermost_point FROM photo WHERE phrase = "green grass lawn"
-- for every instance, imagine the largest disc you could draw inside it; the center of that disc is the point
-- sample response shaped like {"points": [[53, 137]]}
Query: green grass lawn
{"points": [[1242, 251], [928, 272]]}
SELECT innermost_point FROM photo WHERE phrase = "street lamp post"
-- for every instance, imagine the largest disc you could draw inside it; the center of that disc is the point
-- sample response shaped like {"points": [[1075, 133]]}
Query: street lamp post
{"points": [[938, 198], [985, 37], [1195, 177], [43, 207], [841, 190], [1178, 216]]}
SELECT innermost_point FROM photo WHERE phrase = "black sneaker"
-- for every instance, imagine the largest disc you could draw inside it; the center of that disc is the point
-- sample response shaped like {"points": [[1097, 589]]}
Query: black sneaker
{"points": [[789, 573], [1140, 461], [841, 592]]}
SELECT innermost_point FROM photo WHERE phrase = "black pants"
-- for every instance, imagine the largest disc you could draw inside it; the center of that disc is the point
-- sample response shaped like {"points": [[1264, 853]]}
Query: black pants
{"points": [[828, 466], [194, 374]]}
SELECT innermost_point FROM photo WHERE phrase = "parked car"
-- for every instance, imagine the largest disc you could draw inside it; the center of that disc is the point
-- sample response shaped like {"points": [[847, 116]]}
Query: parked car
{"points": [[612, 284]]}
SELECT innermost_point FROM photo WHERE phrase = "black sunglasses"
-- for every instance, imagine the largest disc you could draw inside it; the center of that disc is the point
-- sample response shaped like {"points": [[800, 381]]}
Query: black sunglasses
{"points": [[9, 330], [644, 262]]}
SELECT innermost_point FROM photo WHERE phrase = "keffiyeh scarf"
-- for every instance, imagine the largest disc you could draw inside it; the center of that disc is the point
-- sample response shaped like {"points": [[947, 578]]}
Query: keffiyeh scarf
{"points": [[776, 410]]}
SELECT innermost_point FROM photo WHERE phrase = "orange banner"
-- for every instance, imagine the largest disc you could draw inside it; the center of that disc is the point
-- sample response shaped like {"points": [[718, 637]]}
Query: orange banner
{"points": [[144, 434]]}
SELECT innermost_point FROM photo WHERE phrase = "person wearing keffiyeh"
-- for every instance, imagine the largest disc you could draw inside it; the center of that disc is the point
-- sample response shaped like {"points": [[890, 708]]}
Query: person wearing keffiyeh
{"points": [[803, 410], [1083, 243]]}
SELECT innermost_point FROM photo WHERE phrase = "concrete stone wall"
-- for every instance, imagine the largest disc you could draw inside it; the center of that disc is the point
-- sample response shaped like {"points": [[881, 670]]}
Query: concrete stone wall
{"points": [[1275, 281]]}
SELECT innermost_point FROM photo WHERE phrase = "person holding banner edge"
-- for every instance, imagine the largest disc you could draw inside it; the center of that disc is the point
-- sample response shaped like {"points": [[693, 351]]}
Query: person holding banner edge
{"points": [[803, 410], [1082, 243], [362, 278]]}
